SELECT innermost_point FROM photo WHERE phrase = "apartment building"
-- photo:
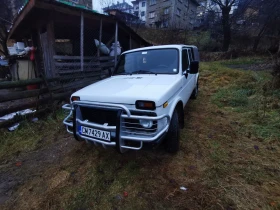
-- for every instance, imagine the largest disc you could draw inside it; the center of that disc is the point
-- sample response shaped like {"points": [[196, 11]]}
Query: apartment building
{"points": [[139, 9], [180, 14]]}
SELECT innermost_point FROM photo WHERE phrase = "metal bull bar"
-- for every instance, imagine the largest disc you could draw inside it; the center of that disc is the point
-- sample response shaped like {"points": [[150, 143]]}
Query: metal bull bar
{"points": [[120, 137]]}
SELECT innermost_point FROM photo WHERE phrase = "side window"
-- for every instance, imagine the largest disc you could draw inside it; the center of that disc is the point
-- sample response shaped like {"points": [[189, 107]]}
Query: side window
{"points": [[185, 60]]}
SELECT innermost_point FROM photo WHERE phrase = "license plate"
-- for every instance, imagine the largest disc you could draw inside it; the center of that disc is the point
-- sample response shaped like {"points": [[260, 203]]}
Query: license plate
{"points": [[104, 135]]}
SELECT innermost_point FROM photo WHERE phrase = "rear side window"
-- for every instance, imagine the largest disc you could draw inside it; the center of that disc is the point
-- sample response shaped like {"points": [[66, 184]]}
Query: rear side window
{"points": [[185, 60], [190, 55]]}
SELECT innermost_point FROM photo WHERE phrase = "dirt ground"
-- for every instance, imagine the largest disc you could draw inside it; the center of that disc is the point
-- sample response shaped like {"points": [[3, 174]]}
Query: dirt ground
{"points": [[221, 165]]}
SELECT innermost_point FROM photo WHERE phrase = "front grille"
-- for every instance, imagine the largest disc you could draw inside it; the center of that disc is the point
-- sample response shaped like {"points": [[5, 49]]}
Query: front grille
{"points": [[99, 116], [128, 126]]}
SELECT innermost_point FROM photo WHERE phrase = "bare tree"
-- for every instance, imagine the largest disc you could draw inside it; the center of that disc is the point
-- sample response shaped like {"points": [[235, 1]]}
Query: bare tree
{"points": [[5, 22], [8, 9], [226, 7], [268, 20], [105, 4]]}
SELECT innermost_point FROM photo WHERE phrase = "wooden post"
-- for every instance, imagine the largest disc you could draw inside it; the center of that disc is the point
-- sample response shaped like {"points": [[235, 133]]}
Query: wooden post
{"points": [[100, 37], [36, 42], [130, 42], [116, 40], [43, 53], [51, 44], [47, 40], [82, 41]]}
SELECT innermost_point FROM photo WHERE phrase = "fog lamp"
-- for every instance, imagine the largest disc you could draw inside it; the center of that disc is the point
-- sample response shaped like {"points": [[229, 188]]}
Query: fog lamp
{"points": [[146, 123]]}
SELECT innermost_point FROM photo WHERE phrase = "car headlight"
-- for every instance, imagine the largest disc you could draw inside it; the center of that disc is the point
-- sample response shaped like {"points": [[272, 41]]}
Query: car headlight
{"points": [[145, 105], [146, 123]]}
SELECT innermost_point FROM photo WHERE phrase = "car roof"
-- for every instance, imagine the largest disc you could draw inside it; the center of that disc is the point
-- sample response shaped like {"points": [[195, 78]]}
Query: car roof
{"points": [[176, 46]]}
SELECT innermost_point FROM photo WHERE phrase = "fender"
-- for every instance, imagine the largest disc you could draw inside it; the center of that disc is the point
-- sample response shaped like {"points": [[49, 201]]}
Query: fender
{"points": [[173, 105], [196, 77]]}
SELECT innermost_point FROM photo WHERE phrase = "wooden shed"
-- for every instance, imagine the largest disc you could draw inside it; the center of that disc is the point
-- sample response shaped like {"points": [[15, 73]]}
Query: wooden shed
{"points": [[64, 37]]}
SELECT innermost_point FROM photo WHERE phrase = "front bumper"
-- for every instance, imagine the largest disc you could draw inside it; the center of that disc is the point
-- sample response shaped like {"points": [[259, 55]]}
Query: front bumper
{"points": [[123, 133]]}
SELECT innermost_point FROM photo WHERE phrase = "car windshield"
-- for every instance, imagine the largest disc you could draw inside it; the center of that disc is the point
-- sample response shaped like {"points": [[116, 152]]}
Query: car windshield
{"points": [[158, 61]]}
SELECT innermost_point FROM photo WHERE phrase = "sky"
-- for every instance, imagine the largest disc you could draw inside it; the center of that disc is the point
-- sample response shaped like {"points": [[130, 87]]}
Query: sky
{"points": [[97, 6]]}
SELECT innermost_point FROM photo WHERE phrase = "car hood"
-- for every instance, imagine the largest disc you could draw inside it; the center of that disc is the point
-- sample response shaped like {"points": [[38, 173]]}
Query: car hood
{"points": [[127, 89]]}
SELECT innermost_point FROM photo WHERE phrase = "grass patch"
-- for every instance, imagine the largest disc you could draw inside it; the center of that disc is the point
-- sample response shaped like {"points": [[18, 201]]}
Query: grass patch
{"points": [[244, 61], [249, 104], [28, 135], [233, 97], [251, 95], [104, 185], [269, 126]]}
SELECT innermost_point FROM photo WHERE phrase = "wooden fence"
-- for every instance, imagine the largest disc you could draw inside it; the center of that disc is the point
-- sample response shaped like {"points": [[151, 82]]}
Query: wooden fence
{"points": [[50, 90], [66, 65]]}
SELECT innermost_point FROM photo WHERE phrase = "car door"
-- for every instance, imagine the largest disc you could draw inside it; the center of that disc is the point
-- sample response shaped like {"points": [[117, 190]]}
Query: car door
{"points": [[192, 76], [187, 78]]}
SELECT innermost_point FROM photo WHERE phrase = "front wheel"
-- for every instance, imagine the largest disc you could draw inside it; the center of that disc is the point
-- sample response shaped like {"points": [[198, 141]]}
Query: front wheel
{"points": [[173, 136]]}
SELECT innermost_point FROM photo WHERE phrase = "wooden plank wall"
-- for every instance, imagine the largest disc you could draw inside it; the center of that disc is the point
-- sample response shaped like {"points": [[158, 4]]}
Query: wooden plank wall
{"points": [[67, 65], [49, 91]]}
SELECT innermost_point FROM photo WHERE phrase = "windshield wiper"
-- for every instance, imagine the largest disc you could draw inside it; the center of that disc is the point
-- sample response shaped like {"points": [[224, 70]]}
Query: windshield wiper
{"points": [[143, 72]]}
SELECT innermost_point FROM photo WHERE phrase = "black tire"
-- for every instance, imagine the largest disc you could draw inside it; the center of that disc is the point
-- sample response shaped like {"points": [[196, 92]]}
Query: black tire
{"points": [[172, 141], [195, 92]]}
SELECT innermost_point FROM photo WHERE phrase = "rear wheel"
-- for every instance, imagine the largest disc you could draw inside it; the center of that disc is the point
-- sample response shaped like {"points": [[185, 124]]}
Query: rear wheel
{"points": [[172, 140], [195, 91]]}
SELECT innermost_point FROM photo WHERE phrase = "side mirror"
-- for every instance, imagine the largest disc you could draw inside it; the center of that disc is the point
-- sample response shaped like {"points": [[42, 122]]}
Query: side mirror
{"points": [[194, 67]]}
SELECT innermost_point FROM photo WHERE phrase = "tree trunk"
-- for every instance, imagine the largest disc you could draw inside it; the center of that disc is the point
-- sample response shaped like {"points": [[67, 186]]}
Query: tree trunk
{"points": [[226, 28], [278, 51], [258, 38], [256, 43]]}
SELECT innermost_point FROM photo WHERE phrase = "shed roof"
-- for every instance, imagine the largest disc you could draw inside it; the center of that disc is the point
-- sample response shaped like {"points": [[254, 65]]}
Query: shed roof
{"points": [[25, 20]]}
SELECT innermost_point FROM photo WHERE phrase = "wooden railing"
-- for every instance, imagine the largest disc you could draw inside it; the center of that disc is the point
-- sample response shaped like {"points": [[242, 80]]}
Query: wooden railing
{"points": [[69, 78], [66, 65], [49, 90]]}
